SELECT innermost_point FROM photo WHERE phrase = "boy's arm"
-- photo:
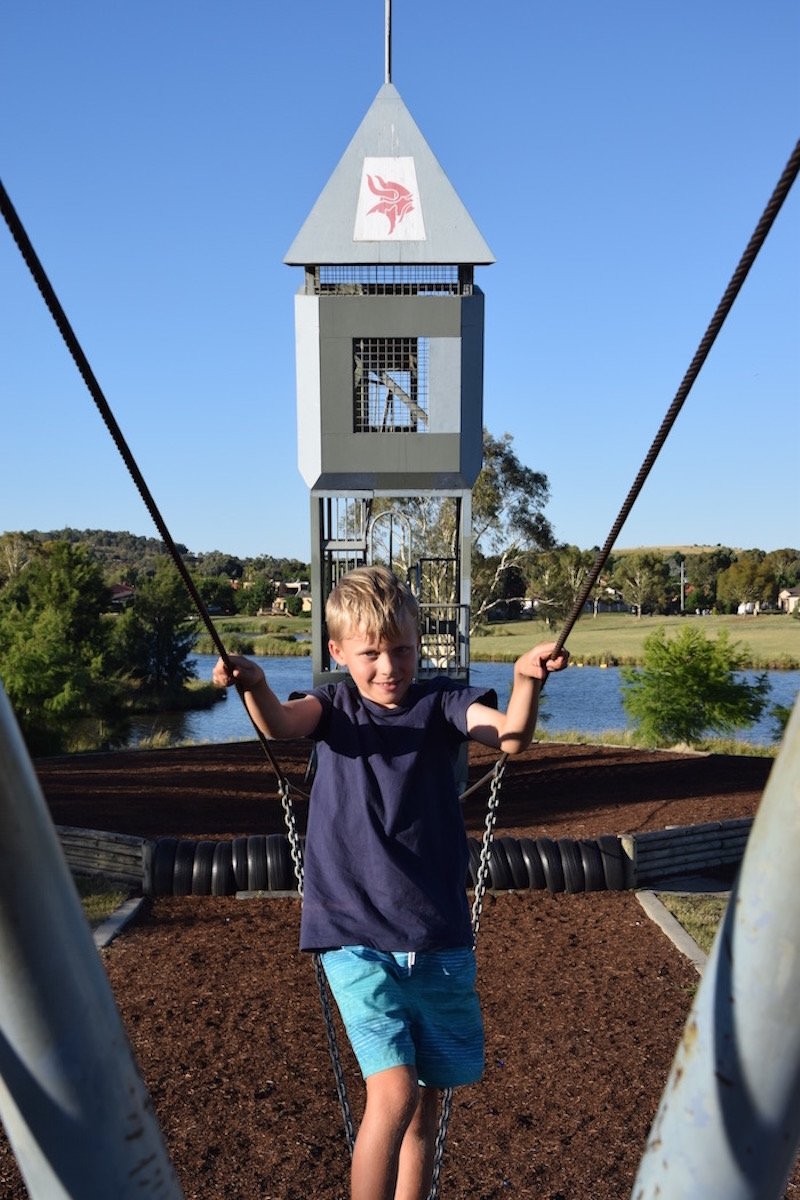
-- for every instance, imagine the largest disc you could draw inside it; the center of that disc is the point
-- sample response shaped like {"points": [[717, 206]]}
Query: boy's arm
{"points": [[512, 731], [283, 720]]}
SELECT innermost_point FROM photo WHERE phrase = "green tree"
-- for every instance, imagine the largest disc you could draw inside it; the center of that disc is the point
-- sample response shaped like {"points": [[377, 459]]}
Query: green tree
{"points": [[702, 571], [687, 686], [156, 634], [784, 566], [55, 658], [508, 500], [556, 579], [748, 580], [257, 596], [508, 524], [642, 577]]}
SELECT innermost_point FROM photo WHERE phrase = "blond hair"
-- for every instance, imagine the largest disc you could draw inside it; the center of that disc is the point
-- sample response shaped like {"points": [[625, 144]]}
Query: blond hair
{"points": [[370, 600]]}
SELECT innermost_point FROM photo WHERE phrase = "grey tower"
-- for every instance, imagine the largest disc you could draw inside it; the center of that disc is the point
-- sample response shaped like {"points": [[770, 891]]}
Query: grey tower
{"points": [[389, 342]]}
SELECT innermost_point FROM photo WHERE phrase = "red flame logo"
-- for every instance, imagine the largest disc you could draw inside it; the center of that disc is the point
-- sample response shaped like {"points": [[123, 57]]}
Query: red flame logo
{"points": [[395, 200]]}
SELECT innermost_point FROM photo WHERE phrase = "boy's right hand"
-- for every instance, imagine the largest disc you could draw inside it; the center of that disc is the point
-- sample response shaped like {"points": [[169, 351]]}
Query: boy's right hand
{"points": [[243, 673]]}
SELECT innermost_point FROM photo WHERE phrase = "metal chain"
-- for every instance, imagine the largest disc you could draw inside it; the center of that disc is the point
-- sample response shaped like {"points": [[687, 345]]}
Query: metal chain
{"points": [[290, 820], [296, 850], [486, 845], [441, 1134], [481, 879], [748, 258], [333, 1050]]}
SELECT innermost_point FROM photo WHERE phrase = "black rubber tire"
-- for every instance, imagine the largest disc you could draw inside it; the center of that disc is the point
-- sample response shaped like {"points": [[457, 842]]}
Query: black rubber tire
{"points": [[280, 872], [499, 871], [239, 862], [203, 866], [183, 868], [574, 880], [592, 860], [613, 862], [164, 866], [533, 863], [551, 864], [257, 863], [223, 881], [516, 863], [474, 847]]}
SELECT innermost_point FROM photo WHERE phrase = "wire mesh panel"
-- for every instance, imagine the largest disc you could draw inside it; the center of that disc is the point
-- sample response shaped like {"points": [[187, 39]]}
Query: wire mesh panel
{"points": [[391, 280], [390, 385]]}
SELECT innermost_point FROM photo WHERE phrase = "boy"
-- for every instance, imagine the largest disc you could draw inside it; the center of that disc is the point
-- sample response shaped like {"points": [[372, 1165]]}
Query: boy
{"points": [[386, 859]]}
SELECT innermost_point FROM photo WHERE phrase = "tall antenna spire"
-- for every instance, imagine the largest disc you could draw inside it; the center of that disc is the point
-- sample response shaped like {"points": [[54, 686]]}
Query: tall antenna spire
{"points": [[388, 67]]}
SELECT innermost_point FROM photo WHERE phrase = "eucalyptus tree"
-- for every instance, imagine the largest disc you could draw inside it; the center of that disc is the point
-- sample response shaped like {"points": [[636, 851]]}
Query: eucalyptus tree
{"points": [[642, 577]]}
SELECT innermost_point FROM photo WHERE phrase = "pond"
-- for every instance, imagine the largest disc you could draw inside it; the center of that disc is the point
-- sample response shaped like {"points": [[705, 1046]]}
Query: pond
{"points": [[588, 699]]}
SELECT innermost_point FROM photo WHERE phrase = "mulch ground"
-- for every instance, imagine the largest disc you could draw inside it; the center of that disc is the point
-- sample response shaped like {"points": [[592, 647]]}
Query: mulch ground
{"points": [[584, 999]]}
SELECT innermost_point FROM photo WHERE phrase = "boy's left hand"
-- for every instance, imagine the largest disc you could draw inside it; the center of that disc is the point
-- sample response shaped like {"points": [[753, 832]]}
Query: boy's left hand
{"points": [[538, 663]]}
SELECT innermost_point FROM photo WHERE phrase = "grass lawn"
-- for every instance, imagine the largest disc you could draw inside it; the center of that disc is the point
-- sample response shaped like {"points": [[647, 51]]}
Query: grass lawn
{"points": [[99, 897], [617, 639], [699, 916]]}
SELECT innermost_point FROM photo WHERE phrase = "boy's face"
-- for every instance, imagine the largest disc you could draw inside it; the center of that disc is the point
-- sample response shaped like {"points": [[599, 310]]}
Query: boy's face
{"points": [[382, 670]]}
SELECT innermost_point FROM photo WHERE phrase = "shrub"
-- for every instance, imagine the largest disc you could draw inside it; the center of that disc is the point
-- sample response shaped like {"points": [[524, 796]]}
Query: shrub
{"points": [[688, 686]]}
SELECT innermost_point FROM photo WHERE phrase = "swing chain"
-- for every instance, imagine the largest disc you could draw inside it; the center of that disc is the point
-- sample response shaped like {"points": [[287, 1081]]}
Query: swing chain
{"points": [[295, 845], [492, 808], [333, 1050], [296, 849], [441, 1134]]}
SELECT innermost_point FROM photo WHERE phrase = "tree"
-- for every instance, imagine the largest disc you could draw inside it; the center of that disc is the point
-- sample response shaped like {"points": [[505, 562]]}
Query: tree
{"points": [[688, 686], [256, 596], [55, 656], [748, 580], [16, 551], [508, 500], [556, 580], [508, 520], [642, 577], [702, 571], [156, 634]]}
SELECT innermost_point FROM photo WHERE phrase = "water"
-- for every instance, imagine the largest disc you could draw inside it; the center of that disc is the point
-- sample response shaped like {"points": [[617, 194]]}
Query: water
{"points": [[583, 698]]}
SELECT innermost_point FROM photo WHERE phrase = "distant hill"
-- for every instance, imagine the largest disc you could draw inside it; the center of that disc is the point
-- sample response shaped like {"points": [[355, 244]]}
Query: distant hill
{"points": [[124, 555], [667, 551]]}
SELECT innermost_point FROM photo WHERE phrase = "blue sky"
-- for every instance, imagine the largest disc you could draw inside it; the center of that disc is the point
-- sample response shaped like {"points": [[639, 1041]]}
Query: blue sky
{"points": [[617, 157]]}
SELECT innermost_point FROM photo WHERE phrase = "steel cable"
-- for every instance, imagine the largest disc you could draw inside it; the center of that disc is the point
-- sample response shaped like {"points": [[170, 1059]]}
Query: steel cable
{"points": [[746, 261], [781, 191], [50, 298]]}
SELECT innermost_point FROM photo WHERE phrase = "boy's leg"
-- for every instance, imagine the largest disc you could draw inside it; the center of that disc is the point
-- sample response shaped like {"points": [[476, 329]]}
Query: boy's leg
{"points": [[417, 1152], [392, 1102]]}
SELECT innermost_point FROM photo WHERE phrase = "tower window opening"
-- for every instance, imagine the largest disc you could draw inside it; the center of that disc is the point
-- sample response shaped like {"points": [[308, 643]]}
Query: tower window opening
{"points": [[390, 385], [391, 280]]}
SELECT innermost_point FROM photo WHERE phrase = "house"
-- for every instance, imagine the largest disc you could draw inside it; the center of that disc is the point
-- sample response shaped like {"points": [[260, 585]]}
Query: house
{"points": [[789, 599], [297, 587], [121, 595]]}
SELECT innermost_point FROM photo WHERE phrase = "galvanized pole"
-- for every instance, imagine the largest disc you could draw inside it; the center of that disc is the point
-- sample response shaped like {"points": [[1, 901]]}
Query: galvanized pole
{"points": [[387, 75], [728, 1127], [74, 1107]]}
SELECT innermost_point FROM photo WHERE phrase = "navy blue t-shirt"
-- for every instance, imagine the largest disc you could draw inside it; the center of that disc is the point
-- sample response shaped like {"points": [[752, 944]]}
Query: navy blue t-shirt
{"points": [[386, 850]]}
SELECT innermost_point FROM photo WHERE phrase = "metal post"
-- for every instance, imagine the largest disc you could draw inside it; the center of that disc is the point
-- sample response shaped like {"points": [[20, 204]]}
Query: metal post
{"points": [[74, 1107], [728, 1126], [387, 75]]}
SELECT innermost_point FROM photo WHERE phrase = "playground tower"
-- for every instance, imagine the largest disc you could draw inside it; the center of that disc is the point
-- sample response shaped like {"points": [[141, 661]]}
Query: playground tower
{"points": [[389, 346]]}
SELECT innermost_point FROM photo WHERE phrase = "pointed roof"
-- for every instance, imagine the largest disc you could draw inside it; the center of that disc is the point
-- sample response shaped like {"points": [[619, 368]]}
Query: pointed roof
{"points": [[388, 201]]}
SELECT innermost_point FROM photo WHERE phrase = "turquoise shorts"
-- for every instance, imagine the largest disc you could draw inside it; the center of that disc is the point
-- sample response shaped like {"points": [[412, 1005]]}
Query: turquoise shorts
{"points": [[416, 1010]]}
